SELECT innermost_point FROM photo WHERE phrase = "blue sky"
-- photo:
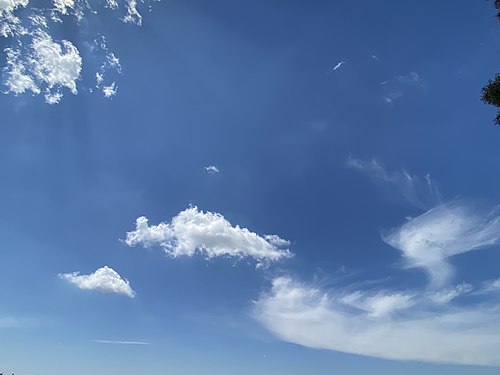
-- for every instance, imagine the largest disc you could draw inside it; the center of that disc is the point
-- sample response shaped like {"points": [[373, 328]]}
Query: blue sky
{"points": [[248, 187]]}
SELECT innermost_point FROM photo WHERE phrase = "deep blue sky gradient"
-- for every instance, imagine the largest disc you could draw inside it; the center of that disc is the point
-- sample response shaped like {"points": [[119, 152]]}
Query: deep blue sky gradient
{"points": [[243, 86]]}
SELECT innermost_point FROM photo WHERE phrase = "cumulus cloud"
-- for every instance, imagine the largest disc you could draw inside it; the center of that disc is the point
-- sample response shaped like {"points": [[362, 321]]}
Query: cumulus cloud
{"points": [[401, 330], [419, 192], [212, 169], [64, 6], [193, 231], [9, 23], [104, 279], [37, 63], [428, 240]]}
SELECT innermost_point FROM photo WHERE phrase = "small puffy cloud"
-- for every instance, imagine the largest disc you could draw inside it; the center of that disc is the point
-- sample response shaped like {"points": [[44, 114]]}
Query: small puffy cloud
{"points": [[193, 231], [212, 169], [419, 192], [104, 279], [110, 91], [385, 325], [11, 322], [48, 64], [428, 240], [36, 63]]}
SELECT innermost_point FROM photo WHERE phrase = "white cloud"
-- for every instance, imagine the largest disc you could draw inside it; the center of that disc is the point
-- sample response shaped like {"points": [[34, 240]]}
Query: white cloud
{"points": [[53, 97], [412, 79], [18, 80], [421, 193], [428, 240], [380, 304], [339, 64], [48, 64], [212, 169], [447, 295], [11, 322], [110, 90], [210, 234], [37, 63], [56, 64], [104, 279], [113, 4], [133, 15], [99, 78], [9, 23], [111, 65], [307, 316], [402, 84], [63, 6], [491, 286], [123, 342]]}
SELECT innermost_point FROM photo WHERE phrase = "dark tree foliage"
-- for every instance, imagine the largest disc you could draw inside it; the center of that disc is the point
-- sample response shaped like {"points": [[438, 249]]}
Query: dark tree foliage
{"points": [[491, 94]]}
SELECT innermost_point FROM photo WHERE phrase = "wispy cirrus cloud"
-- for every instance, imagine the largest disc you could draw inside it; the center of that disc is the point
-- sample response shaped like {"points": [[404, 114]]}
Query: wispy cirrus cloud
{"points": [[428, 240], [105, 280], [447, 295], [418, 192], [400, 85], [123, 342], [391, 325], [193, 231], [491, 286]]}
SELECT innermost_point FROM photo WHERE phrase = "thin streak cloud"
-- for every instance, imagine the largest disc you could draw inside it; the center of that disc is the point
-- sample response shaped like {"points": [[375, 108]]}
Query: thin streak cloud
{"points": [[123, 342]]}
